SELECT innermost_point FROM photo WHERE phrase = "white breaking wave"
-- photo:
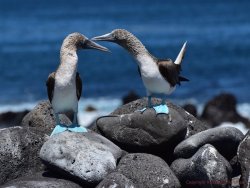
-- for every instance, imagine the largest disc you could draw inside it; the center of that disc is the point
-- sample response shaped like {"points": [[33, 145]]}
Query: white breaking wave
{"points": [[17, 107], [244, 109]]}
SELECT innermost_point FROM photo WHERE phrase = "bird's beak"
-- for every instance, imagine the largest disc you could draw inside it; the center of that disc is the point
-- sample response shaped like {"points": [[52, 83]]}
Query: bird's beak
{"points": [[106, 37], [92, 45]]}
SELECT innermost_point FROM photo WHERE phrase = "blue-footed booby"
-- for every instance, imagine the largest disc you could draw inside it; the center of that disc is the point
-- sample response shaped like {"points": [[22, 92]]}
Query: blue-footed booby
{"points": [[159, 76], [64, 87]]}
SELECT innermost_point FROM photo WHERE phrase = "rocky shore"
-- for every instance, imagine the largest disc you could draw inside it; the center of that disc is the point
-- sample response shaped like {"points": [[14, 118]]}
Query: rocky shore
{"points": [[128, 149]]}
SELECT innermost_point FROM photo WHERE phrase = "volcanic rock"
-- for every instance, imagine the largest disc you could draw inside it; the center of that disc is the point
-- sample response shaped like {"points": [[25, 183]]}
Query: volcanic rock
{"points": [[206, 168], [144, 132], [19, 148], [147, 171], [148, 132], [224, 139], [244, 160], [193, 124], [84, 157], [42, 118]]}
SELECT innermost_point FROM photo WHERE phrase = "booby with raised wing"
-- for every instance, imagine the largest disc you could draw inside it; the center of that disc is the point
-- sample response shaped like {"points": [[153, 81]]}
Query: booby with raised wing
{"points": [[64, 87], [159, 76]]}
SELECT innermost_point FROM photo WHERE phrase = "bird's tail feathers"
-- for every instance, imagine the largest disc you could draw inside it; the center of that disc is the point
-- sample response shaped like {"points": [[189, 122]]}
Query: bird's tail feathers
{"points": [[181, 54], [183, 79]]}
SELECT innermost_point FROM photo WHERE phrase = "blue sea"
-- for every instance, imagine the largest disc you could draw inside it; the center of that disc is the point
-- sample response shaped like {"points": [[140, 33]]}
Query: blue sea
{"points": [[217, 57]]}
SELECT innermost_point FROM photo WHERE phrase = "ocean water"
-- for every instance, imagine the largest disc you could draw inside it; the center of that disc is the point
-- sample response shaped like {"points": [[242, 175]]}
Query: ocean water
{"points": [[217, 57]]}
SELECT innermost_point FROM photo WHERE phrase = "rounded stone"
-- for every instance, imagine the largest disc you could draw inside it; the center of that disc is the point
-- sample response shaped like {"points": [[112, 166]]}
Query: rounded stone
{"points": [[146, 170], [244, 160], [193, 124], [19, 148], [206, 168], [144, 132], [148, 132], [85, 157], [42, 118], [224, 139]]}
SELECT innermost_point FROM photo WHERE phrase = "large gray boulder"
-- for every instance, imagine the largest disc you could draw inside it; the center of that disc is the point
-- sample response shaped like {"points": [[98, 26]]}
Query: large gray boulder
{"points": [[19, 149], [224, 139], [244, 160], [42, 118], [206, 169], [144, 132], [193, 124], [40, 180], [85, 157], [147, 171], [147, 132]]}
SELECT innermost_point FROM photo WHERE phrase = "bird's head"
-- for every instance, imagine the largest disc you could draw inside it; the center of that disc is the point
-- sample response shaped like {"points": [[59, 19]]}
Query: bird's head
{"points": [[117, 36], [79, 41]]}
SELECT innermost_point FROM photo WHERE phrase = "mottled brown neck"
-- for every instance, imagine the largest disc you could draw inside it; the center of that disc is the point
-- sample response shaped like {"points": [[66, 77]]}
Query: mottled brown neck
{"points": [[68, 58], [132, 44], [69, 47]]}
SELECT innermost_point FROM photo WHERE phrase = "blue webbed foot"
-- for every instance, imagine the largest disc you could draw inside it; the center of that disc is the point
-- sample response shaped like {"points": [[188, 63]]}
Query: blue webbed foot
{"points": [[59, 129], [161, 109], [77, 128], [73, 128]]}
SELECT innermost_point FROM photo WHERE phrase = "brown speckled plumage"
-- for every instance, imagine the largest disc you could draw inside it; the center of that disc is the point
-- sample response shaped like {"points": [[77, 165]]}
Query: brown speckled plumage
{"points": [[168, 69], [129, 42], [71, 44]]}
